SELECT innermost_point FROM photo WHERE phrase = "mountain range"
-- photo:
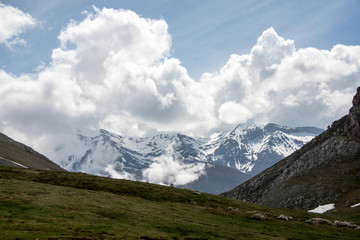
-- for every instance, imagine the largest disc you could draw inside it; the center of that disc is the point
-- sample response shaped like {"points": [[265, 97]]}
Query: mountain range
{"points": [[214, 164], [324, 171], [59, 204]]}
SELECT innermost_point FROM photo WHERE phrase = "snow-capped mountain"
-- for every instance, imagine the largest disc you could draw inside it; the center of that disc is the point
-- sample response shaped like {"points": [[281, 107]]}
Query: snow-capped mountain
{"points": [[251, 149], [212, 164]]}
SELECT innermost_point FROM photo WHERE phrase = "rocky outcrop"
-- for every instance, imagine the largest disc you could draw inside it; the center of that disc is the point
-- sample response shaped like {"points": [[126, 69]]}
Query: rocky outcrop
{"points": [[285, 218], [337, 223], [319, 221], [258, 216], [345, 224], [322, 171]]}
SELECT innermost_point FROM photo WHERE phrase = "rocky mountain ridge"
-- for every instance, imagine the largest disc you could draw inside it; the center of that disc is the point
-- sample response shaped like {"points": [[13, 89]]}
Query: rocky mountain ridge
{"points": [[223, 160], [325, 170]]}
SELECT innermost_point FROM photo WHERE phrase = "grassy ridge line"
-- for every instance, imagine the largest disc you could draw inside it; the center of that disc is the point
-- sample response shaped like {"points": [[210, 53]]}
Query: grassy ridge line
{"points": [[59, 205], [24, 155], [147, 191]]}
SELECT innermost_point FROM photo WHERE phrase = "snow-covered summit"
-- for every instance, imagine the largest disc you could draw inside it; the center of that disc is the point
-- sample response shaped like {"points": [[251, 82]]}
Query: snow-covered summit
{"points": [[251, 149], [181, 159]]}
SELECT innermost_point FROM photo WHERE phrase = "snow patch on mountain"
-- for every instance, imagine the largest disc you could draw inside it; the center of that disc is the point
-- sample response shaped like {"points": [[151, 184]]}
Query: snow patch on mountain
{"points": [[251, 149], [180, 159], [323, 208]]}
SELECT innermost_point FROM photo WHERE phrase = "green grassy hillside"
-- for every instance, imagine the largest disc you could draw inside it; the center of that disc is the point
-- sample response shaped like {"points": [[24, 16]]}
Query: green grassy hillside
{"points": [[37, 204]]}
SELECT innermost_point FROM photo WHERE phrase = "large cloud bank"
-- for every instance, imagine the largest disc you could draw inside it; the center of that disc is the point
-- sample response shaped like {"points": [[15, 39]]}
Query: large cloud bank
{"points": [[114, 70]]}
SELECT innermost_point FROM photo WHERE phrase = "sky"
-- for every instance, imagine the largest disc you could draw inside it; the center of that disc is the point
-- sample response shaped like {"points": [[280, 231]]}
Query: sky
{"points": [[141, 67]]}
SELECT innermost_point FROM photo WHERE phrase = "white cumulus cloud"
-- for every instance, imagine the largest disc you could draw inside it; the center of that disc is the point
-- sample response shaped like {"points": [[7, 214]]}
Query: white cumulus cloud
{"points": [[278, 83], [14, 22], [232, 112], [114, 70], [166, 170]]}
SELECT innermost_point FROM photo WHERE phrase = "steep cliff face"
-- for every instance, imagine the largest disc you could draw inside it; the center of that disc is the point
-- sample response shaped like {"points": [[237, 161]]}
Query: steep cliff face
{"points": [[326, 170]]}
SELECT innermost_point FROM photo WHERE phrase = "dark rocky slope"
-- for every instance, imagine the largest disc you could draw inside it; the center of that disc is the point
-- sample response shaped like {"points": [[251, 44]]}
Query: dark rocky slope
{"points": [[13, 153], [326, 170]]}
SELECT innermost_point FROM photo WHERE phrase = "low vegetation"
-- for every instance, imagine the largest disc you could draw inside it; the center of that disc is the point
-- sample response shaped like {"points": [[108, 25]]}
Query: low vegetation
{"points": [[37, 204]]}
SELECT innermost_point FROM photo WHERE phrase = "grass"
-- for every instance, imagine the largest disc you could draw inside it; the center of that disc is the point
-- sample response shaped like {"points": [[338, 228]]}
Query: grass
{"points": [[60, 205]]}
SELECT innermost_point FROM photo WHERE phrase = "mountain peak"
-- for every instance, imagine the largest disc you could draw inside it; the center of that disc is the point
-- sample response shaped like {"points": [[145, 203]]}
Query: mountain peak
{"points": [[356, 99], [325, 170], [349, 125], [354, 114], [243, 150]]}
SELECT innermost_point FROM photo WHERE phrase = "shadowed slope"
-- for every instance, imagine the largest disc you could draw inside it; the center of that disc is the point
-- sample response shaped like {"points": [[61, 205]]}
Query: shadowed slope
{"points": [[326, 170], [13, 153]]}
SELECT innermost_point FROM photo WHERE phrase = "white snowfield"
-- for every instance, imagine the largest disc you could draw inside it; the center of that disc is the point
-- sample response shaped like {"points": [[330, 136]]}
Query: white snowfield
{"points": [[355, 205], [323, 208]]}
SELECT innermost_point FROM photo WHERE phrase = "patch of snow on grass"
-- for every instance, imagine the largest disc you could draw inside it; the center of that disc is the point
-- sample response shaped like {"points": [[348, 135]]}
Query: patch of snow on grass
{"points": [[356, 205], [323, 208]]}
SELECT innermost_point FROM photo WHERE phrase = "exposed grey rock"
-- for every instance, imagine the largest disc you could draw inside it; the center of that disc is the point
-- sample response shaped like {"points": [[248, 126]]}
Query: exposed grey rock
{"points": [[197, 192], [319, 221], [338, 223], [258, 216], [286, 218], [251, 212], [297, 181], [233, 209]]}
